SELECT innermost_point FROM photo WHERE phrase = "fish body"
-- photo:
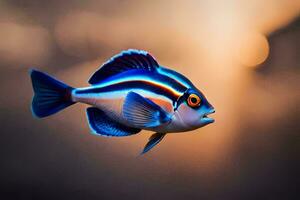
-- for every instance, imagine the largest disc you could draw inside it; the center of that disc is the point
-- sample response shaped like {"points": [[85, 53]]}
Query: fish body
{"points": [[128, 93]]}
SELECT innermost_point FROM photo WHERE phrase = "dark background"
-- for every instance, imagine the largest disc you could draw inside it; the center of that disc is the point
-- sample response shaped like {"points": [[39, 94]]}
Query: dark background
{"points": [[245, 57]]}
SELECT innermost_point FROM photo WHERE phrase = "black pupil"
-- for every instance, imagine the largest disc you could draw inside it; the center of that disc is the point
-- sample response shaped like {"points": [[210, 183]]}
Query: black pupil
{"points": [[193, 100]]}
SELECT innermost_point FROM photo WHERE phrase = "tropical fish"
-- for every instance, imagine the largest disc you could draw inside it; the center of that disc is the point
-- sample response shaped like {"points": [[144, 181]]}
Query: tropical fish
{"points": [[128, 93]]}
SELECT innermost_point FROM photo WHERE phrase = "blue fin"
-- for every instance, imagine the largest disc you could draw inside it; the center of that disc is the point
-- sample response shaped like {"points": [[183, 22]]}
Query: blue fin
{"points": [[142, 112], [101, 124], [126, 60], [153, 140], [50, 95]]}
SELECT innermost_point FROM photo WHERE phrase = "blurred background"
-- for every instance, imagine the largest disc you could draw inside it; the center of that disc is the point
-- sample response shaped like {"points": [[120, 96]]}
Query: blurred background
{"points": [[244, 56]]}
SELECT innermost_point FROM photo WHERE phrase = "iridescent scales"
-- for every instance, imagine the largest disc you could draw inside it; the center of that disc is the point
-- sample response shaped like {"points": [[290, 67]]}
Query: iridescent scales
{"points": [[128, 93]]}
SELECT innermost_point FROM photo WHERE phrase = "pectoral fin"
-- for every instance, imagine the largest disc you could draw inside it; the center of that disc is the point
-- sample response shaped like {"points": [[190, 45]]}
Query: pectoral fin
{"points": [[142, 112], [153, 140]]}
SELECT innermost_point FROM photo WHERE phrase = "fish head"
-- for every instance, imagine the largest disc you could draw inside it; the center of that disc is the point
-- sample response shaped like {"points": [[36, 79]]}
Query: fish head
{"points": [[193, 109]]}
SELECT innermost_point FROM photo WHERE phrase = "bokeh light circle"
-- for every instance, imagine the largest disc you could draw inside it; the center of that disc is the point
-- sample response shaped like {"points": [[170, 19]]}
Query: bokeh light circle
{"points": [[253, 49]]}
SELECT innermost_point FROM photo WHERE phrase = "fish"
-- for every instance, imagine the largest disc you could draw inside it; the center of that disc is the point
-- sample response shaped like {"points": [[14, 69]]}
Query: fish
{"points": [[130, 92]]}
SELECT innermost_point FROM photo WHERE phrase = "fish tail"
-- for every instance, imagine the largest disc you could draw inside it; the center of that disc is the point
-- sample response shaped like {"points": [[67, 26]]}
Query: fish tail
{"points": [[50, 95]]}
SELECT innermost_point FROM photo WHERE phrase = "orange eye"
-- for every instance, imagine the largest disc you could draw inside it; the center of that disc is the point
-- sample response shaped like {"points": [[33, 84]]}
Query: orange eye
{"points": [[193, 100]]}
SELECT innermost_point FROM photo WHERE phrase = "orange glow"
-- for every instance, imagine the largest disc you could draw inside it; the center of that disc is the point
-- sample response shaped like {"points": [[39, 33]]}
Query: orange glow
{"points": [[16, 44], [209, 41]]}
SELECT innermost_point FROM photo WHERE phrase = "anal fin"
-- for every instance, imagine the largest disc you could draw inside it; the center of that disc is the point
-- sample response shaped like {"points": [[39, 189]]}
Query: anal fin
{"points": [[102, 124]]}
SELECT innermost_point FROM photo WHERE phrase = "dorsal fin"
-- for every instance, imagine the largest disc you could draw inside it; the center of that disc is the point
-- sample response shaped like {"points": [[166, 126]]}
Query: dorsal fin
{"points": [[126, 60]]}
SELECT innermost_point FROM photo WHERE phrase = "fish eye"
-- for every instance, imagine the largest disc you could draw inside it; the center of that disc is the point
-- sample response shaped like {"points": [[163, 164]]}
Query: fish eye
{"points": [[193, 100]]}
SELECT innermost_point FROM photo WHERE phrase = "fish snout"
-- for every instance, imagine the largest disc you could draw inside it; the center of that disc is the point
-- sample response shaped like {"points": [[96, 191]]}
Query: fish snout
{"points": [[207, 119]]}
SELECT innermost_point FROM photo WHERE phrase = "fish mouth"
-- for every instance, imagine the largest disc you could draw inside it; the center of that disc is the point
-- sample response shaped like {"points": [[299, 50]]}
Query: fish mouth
{"points": [[207, 119]]}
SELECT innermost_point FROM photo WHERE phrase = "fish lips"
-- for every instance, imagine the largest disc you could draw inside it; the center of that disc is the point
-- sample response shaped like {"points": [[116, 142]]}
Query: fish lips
{"points": [[207, 120]]}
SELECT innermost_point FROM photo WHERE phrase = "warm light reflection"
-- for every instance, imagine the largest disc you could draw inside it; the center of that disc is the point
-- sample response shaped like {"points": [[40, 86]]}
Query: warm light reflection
{"points": [[210, 42], [211, 50], [79, 33], [24, 44]]}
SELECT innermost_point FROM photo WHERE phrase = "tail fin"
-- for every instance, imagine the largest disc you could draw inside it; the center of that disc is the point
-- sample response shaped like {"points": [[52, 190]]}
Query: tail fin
{"points": [[50, 95]]}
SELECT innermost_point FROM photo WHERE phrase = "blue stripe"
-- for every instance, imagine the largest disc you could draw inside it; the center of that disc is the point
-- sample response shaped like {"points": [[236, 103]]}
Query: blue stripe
{"points": [[131, 85], [147, 76], [176, 76], [140, 79]]}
